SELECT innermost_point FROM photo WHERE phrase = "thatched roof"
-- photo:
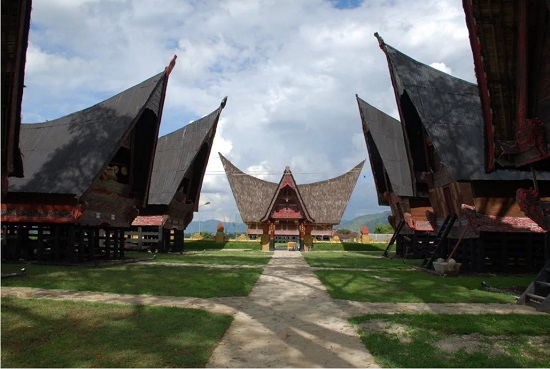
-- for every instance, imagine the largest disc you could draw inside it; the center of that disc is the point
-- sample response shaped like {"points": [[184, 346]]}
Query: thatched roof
{"points": [[16, 16], [324, 201], [387, 151], [176, 153], [450, 111], [65, 155]]}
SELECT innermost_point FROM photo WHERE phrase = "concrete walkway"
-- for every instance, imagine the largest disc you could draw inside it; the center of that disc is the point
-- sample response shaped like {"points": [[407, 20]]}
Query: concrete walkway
{"points": [[288, 320]]}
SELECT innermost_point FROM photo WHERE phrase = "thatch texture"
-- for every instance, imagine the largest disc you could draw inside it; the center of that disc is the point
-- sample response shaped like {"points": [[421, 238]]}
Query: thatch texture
{"points": [[324, 201], [253, 195]]}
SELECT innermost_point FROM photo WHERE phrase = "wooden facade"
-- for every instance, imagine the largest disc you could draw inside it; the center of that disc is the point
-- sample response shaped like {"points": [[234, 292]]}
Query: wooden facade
{"points": [[442, 122], [86, 175], [286, 209], [511, 48]]}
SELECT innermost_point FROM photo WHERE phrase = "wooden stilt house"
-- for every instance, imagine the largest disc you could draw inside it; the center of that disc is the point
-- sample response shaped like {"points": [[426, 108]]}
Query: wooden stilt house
{"points": [[16, 17], [86, 175], [443, 125], [178, 171], [393, 178], [511, 49], [288, 211]]}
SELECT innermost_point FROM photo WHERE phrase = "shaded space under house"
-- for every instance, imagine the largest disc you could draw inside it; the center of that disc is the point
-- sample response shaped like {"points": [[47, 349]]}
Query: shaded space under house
{"points": [[178, 172], [16, 17], [510, 43], [442, 122], [288, 211], [86, 175], [393, 178]]}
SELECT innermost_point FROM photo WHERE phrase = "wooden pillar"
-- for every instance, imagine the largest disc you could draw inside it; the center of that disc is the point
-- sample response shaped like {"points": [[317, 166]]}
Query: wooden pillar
{"points": [[40, 242], [56, 242], [302, 230], [122, 239], [116, 244], [71, 242], [271, 236], [107, 243]]}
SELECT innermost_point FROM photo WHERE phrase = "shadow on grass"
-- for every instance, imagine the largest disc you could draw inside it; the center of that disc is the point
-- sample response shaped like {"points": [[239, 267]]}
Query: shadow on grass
{"points": [[42, 333]]}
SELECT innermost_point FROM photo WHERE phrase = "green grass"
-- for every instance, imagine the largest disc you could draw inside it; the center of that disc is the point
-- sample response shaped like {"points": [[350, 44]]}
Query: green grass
{"points": [[43, 333], [349, 246], [467, 341], [252, 258], [369, 260], [416, 286], [210, 245], [139, 279]]}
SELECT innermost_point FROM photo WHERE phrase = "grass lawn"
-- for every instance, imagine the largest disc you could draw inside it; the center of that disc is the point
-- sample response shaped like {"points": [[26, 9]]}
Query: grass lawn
{"points": [[416, 286], [139, 279], [349, 246], [369, 260], [201, 245], [43, 333], [254, 258], [467, 341]]}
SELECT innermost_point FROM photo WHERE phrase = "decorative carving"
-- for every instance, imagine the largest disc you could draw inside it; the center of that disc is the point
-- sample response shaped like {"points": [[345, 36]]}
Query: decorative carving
{"points": [[529, 202], [492, 223], [287, 213]]}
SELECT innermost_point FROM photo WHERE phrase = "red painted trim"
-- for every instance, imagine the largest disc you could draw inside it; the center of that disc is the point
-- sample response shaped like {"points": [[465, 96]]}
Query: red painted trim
{"points": [[170, 66], [492, 223], [484, 92], [31, 213]]}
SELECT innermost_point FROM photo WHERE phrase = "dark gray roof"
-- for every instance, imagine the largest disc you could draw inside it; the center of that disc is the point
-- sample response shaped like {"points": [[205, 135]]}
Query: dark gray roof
{"points": [[325, 201], [450, 111], [175, 154], [387, 135], [64, 156]]}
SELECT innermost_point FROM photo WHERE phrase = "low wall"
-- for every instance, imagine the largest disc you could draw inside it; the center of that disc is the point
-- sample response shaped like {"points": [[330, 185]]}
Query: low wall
{"points": [[380, 237]]}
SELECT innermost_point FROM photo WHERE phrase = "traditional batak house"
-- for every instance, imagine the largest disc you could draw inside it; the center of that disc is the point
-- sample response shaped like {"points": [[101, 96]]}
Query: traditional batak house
{"points": [[443, 124], [273, 210], [511, 48], [395, 185], [178, 171], [16, 17], [86, 174]]}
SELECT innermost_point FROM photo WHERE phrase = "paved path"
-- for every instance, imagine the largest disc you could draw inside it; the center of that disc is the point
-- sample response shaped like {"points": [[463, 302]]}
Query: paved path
{"points": [[288, 320]]}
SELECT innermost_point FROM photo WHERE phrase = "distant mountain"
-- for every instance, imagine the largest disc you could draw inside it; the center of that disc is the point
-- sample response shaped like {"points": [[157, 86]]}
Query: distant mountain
{"points": [[355, 225], [370, 220]]}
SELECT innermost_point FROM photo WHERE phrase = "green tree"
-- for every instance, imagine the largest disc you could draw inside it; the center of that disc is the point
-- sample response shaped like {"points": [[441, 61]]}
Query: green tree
{"points": [[383, 229], [344, 231]]}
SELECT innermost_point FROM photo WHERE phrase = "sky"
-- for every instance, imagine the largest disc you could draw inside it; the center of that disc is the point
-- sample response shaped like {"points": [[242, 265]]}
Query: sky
{"points": [[290, 69]]}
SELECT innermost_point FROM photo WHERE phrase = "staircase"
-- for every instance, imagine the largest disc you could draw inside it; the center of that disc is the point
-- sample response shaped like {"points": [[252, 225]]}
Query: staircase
{"points": [[394, 237], [538, 292], [440, 238]]}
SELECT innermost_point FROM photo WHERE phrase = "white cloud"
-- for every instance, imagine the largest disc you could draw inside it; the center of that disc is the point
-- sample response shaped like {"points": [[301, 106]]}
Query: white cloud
{"points": [[290, 69]]}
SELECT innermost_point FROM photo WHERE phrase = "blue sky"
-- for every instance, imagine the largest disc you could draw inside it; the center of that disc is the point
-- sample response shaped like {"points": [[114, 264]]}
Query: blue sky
{"points": [[290, 69]]}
